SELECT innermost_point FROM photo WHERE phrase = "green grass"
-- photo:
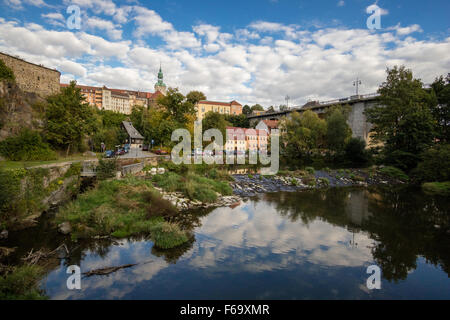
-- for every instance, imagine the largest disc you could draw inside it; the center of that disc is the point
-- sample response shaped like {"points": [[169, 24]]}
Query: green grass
{"points": [[310, 170], [22, 284], [439, 188], [7, 164], [193, 185], [395, 173], [324, 181], [168, 235], [120, 208]]}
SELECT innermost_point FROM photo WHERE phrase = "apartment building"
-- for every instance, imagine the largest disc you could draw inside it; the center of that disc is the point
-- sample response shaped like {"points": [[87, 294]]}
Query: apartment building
{"points": [[226, 108]]}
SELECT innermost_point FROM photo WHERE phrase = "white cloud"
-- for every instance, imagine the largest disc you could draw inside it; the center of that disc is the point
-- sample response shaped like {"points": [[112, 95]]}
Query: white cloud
{"points": [[402, 31], [101, 24], [341, 3]]}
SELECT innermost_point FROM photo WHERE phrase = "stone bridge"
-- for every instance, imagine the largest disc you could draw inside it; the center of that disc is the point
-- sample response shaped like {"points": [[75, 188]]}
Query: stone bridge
{"points": [[356, 119]]}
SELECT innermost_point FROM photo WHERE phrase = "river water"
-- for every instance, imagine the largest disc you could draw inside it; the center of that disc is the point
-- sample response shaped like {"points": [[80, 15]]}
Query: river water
{"points": [[306, 245]]}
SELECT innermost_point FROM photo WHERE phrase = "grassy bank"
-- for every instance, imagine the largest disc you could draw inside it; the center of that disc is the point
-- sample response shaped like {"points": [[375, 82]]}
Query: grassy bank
{"points": [[21, 283], [439, 188], [195, 182], [28, 192], [122, 208]]}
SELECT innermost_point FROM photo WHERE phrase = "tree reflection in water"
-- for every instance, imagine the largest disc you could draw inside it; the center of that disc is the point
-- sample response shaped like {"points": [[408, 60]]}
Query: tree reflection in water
{"points": [[404, 227]]}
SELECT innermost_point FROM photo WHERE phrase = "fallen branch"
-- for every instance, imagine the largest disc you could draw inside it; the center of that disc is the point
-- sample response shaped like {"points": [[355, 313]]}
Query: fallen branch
{"points": [[34, 257], [106, 271]]}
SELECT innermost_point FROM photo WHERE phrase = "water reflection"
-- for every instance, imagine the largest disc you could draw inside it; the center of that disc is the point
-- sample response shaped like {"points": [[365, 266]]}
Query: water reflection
{"points": [[313, 244]]}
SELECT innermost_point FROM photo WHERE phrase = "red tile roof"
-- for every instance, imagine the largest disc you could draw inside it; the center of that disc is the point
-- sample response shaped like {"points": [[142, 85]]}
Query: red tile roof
{"points": [[220, 103]]}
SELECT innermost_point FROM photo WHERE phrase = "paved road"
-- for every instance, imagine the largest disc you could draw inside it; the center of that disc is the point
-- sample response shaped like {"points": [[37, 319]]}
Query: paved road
{"points": [[137, 153]]}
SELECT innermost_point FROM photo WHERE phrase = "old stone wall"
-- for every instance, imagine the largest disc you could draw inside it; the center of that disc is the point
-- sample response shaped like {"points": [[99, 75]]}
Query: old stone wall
{"points": [[31, 77]]}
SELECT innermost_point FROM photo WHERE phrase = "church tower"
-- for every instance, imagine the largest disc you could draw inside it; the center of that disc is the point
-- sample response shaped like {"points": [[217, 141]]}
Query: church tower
{"points": [[160, 85]]}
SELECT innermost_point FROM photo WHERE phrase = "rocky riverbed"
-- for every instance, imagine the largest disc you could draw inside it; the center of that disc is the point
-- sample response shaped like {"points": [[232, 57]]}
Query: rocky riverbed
{"points": [[253, 184], [181, 202]]}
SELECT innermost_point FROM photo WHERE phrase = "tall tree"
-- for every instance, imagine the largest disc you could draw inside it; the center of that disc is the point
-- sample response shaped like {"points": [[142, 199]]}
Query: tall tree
{"points": [[176, 105], [301, 134], [441, 110], [246, 110], [68, 119], [195, 96], [402, 119], [338, 131], [257, 107]]}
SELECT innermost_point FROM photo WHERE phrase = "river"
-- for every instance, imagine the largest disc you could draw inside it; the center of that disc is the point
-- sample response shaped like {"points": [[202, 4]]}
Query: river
{"points": [[304, 245]]}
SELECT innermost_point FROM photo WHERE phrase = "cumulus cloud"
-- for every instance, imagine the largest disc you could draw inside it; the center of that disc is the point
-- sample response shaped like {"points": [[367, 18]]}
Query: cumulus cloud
{"points": [[402, 31], [106, 25], [261, 63]]}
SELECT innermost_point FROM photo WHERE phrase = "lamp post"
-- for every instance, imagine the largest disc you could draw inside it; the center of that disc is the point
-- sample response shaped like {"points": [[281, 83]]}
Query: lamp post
{"points": [[356, 84]]}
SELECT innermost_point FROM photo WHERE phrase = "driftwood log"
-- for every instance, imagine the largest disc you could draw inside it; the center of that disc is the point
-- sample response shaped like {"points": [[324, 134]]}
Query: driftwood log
{"points": [[106, 271]]}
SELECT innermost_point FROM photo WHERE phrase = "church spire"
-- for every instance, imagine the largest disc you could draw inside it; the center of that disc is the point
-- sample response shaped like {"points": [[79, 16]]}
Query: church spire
{"points": [[160, 85]]}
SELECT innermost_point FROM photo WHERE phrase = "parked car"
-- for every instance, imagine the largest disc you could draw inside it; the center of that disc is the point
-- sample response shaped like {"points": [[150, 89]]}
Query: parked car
{"points": [[120, 151], [110, 154], [145, 147], [161, 152]]}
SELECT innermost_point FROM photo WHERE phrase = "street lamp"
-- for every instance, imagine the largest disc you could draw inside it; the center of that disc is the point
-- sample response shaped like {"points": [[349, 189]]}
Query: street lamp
{"points": [[356, 84]]}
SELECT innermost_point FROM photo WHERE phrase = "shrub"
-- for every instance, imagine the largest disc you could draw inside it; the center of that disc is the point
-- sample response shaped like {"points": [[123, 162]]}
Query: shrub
{"points": [[167, 235], [310, 170], [5, 72], [324, 181], [26, 146], [394, 172], [435, 165], [355, 152], [21, 283], [106, 169], [440, 188]]}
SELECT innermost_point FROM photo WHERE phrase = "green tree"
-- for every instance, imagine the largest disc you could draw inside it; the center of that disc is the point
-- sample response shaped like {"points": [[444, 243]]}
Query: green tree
{"points": [[240, 121], [5, 72], [195, 96], [214, 120], [68, 119], [338, 131], [402, 119], [271, 109], [441, 110], [177, 106], [257, 107], [301, 134], [246, 109]]}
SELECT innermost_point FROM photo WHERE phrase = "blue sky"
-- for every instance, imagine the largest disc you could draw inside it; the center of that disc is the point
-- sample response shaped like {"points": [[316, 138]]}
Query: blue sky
{"points": [[252, 51]]}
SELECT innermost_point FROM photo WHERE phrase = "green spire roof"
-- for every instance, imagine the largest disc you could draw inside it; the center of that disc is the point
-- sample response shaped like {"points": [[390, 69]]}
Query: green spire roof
{"points": [[160, 82]]}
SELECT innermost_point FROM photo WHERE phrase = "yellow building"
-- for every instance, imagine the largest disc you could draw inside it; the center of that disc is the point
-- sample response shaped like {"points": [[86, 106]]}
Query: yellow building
{"points": [[227, 108]]}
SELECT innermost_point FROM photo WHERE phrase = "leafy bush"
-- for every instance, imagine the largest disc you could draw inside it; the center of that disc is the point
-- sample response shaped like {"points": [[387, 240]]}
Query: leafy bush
{"points": [[22, 284], [395, 173], [324, 181], [440, 188], [26, 146], [5, 72], [167, 235], [355, 152], [106, 169], [310, 170], [435, 165]]}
